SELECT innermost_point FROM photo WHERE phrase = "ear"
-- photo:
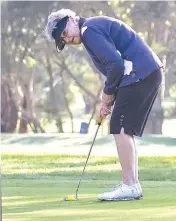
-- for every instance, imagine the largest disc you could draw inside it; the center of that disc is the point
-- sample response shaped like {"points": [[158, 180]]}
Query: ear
{"points": [[64, 33], [72, 19]]}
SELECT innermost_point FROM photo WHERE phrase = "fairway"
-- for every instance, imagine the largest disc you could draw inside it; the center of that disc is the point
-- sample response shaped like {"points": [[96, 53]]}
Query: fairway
{"points": [[34, 186]]}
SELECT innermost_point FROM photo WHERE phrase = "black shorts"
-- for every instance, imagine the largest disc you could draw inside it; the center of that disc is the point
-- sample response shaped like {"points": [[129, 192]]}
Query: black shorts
{"points": [[133, 104]]}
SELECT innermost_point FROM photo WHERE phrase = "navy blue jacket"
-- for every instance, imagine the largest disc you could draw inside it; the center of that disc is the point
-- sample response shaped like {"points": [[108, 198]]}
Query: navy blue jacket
{"points": [[109, 43]]}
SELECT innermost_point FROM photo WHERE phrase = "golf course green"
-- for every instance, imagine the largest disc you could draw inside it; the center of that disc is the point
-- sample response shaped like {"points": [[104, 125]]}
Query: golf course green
{"points": [[34, 186]]}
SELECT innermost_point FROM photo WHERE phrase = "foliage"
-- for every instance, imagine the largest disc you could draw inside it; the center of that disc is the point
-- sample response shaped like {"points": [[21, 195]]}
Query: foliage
{"points": [[41, 81]]}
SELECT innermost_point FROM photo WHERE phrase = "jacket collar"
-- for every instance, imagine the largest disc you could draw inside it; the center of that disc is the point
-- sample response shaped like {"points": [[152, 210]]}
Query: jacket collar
{"points": [[81, 22]]}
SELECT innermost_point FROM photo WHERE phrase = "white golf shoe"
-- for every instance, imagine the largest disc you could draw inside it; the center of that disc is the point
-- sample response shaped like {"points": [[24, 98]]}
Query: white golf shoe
{"points": [[122, 192], [139, 188]]}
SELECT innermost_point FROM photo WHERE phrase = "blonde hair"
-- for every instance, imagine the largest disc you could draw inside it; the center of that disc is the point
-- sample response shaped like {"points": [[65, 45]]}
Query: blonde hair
{"points": [[52, 20]]}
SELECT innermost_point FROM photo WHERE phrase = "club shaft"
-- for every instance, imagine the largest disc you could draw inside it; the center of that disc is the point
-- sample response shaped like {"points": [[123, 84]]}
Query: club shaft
{"points": [[87, 159]]}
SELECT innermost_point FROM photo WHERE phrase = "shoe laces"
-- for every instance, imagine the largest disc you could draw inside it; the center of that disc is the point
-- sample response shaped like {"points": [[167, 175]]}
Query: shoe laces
{"points": [[116, 187]]}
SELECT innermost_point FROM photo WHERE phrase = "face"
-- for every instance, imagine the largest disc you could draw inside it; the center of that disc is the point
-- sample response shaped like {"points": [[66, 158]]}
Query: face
{"points": [[71, 33]]}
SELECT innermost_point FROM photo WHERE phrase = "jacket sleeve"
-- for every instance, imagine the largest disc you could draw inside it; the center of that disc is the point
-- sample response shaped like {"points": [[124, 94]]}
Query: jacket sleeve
{"points": [[99, 66], [104, 49]]}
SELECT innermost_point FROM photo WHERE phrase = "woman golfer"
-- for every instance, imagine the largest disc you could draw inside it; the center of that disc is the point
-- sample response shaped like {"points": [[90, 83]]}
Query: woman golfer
{"points": [[130, 66]]}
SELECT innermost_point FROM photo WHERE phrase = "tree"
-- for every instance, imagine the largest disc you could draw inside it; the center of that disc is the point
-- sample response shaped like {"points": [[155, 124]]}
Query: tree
{"points": [[39, 81]]}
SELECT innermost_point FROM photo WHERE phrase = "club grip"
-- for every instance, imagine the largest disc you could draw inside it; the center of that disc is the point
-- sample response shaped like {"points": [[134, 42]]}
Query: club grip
{"points": [[100, 119]]}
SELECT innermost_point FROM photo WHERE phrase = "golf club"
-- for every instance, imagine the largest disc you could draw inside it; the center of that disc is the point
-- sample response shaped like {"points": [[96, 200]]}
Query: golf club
{"points": [[70, 198]]}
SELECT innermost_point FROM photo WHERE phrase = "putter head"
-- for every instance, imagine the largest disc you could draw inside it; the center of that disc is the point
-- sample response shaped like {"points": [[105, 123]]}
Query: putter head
{"points": [[70, 198]]}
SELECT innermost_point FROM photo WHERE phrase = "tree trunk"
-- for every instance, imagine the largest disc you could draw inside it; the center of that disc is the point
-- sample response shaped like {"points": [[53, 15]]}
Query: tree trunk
{"points": [[95, 105], [156, 117], [23, 120], [59, 125], [149, 37], [66, 101], [9, 112], [37, 125], [55, 111]]}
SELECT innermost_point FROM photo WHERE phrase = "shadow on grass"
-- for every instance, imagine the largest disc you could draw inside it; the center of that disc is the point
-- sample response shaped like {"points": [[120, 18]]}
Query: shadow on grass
{"points": [[145, 140], [158, 140], [153, 174], [45, 138], [33, 140], [68, 162]]}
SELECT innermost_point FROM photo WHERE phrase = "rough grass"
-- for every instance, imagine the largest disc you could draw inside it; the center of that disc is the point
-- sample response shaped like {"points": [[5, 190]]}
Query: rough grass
{"points": [[33, 189]]}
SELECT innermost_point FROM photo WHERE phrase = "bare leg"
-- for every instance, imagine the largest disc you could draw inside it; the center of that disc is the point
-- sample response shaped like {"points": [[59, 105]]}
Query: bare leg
{"points": [[128, 157], [136, 163]]}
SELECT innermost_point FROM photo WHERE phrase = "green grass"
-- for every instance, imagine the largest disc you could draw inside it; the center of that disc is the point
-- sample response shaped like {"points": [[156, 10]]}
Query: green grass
{"points": [[33, 188], [85, 139]]}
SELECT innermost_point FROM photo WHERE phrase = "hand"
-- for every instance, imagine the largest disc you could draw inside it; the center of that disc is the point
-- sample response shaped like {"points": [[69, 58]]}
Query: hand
{"points": [[104, 110], [108, 99]]}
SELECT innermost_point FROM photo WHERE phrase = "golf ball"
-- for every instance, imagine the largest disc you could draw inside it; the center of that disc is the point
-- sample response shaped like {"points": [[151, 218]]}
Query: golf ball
{"points": [[69, 198]]}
